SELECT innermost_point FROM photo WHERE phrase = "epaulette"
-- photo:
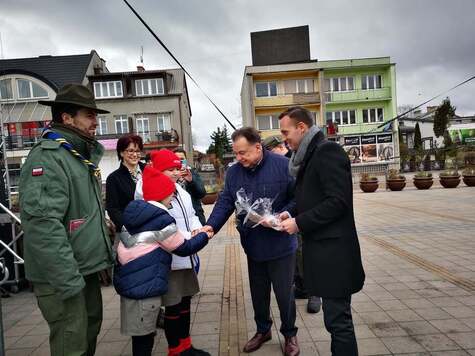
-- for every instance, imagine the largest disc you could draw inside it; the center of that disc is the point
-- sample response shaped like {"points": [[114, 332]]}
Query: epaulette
{"points": [[49, 144]]}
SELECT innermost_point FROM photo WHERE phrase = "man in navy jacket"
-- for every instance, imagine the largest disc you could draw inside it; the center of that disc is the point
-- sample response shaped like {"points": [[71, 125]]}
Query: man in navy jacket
{"points": [[270, 253]]}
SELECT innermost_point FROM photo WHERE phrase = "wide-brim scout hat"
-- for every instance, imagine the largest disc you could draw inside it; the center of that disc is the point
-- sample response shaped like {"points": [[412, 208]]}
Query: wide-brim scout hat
{"points": [[75, 94]]}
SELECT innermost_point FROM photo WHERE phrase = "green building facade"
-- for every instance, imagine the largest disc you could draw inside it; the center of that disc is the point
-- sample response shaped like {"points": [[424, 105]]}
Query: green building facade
{"points": [[358, 96]]}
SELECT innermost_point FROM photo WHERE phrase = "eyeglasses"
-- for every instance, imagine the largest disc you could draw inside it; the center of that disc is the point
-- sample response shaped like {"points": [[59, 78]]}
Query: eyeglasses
{"points": [[131, 152]]}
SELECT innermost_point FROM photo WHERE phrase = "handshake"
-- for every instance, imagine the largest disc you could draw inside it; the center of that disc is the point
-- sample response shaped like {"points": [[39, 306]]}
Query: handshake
{"points": [[207, 229], [283, 222]]}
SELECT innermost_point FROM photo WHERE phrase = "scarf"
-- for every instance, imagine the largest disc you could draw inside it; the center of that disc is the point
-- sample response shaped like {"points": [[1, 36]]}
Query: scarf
{"points": [[52, 135], [298, 156]]}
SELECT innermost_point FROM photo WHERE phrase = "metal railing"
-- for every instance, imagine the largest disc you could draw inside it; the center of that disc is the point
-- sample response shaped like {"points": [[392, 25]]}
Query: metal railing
{"points": [[12, 249], [25, 142]]}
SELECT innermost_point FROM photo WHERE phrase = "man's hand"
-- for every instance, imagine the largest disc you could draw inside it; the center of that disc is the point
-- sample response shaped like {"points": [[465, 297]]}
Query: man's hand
{"points": [[290, 226], [186, 175], [284, 215], [209, 230], [111, 230]]}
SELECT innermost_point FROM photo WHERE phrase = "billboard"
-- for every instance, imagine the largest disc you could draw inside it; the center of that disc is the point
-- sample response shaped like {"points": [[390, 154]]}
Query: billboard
{"points": [[352, 148], [369, 148], [463, 134]]}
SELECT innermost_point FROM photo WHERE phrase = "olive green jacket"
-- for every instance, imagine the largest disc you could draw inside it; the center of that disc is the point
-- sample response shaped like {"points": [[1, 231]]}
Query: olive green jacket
{"points": [[62, 214]]}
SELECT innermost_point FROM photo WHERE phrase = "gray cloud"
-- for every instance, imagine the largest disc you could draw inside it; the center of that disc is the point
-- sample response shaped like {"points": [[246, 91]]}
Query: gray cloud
{"points": [[431, 41]]}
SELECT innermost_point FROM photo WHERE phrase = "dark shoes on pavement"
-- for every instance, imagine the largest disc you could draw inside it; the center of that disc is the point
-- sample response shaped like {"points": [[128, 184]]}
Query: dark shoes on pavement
{"points": [[291, 347], [256, 341], [194, 352], [314, 304]]}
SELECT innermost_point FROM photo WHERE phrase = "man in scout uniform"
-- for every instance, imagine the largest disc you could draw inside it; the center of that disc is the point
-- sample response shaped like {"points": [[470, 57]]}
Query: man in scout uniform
{"points": [[66, 240]]}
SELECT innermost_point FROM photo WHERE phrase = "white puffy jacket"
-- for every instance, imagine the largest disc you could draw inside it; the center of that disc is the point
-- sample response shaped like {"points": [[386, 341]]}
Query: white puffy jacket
{"points": [[186, 220]]}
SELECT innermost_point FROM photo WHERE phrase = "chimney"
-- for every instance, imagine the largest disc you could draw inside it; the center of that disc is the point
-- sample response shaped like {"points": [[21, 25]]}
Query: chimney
{"points": [[140, 67]]}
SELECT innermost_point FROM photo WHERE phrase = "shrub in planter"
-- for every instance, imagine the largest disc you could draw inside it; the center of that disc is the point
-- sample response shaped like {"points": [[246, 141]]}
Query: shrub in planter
{"points": [[211, 194], [449, 178], [395, 181], [368, 184], [423, 180], [469, 176]]}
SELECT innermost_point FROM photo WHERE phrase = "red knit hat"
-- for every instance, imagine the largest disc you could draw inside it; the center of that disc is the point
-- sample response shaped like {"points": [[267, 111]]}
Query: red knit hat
{"points": [[165, 159], [156, 185]]}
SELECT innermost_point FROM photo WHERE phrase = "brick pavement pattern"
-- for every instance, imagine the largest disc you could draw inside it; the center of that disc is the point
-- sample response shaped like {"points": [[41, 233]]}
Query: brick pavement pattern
{"points": [[419, 298]]}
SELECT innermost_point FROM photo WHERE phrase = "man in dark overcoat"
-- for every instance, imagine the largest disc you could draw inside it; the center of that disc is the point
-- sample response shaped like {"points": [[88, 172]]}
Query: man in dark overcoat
{"points": [[324, 216]]}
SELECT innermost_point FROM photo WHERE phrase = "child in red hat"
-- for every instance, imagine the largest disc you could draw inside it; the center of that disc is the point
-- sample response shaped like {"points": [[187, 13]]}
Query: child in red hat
{"points": [[144, 255], [183, 281]]}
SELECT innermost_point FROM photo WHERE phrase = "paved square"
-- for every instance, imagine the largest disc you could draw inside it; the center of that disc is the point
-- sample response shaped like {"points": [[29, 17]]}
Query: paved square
{"points": [[419, 297]]}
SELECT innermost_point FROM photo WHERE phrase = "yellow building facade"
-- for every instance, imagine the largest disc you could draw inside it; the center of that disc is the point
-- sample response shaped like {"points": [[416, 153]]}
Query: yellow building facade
{"points": [[267, 91]]}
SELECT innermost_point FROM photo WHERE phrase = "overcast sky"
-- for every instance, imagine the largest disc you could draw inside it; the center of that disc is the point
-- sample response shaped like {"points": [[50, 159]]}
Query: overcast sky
{"points": [[431, 41]]}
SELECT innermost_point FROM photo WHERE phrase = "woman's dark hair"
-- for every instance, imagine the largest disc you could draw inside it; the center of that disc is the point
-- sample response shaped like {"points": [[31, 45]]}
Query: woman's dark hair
{"points": [[125, 141], [299, 114], [249, 133], [59, 109]]}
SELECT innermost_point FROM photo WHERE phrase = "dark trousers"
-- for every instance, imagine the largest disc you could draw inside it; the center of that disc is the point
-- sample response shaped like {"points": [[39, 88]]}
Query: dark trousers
{"points": [[339, 323], [143, 345], [279, 274]]}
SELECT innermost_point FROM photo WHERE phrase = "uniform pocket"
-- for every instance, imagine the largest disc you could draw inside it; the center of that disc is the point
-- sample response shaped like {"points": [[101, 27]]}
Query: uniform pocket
{"points": [[50, 304]]}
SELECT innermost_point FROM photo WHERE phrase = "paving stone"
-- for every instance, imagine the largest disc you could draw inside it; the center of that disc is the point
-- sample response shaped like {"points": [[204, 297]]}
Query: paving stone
{"points": [[465, 340], [450, 326], [402, 344], [436, 342], [421, 327]]}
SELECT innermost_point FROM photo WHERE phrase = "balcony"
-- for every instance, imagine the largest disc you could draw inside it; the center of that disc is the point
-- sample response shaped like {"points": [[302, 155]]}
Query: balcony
{"points": [[358, 95], [288, 100], [152, 139]]}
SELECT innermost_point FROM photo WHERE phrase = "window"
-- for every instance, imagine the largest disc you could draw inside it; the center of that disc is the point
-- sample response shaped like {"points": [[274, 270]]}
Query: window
{"points": [[108, 89], [102, 126], [149, 87], [266, 89], [6, 89], [267, 122], [373, 115], [121, 124], [346, 117], [371, 82], [28, 90], [164, 122], [295, 86], [143, 128], [339, 84]]}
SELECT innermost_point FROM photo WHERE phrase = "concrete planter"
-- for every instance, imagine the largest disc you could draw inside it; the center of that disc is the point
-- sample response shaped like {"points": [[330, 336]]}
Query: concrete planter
{"points": [[423, 182], [449, 181], [209, 198], [369, 186], [396, 185], [469, 180]]}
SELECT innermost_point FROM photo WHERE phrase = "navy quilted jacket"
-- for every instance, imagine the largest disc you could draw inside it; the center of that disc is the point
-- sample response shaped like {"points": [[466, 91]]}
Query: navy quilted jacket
{"points": [[147, 276]]}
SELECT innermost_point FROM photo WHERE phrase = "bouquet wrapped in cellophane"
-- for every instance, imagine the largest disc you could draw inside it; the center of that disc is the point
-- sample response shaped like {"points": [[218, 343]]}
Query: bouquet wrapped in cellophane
{"points": [[255, 212]]}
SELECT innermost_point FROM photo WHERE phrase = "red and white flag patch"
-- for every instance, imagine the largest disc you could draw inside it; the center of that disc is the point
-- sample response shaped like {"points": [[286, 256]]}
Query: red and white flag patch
{"points": [[37, 171]]}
